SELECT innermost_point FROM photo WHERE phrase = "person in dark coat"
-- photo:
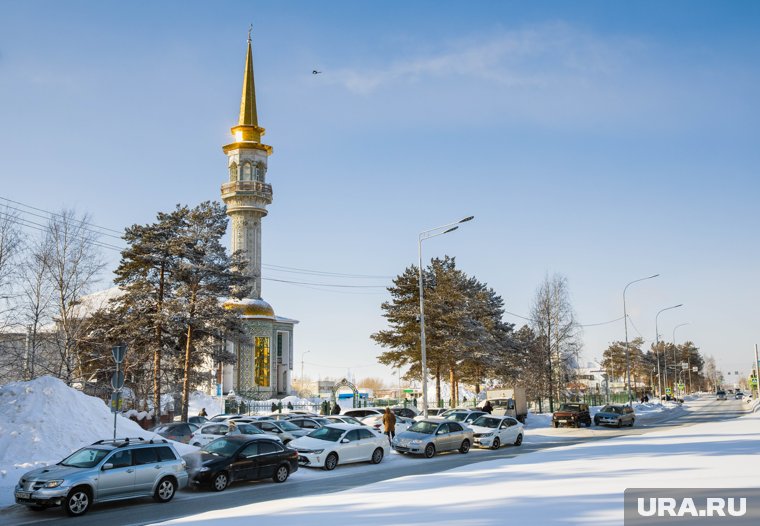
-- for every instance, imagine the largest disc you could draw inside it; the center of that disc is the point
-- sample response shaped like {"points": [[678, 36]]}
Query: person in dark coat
{"points": [[389, 423], [203, 412], [335, 409], [487, 407]]}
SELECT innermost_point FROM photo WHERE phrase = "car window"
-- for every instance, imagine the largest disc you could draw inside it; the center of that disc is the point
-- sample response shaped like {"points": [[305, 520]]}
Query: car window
{"points": [[365, 434], [85, 458], [310, 424], [145, 455], [251, 450], [442, 429], [121, 459], [288, 426], [472, 416], [453, 427], [424, 427], [165, 454], [353, 435], [268, 447], [248, 429], [486, 421]]}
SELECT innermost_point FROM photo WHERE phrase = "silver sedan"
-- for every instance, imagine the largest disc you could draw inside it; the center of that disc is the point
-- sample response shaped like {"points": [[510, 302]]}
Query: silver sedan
{"points": [[427, 437]]}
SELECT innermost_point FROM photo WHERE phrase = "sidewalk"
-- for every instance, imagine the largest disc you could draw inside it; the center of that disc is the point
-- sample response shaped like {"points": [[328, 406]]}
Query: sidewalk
{"points": [[579, 484]]}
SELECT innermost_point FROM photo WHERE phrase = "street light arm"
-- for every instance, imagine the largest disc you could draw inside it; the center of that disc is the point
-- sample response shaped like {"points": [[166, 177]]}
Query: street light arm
{"points": [[423, 236]]}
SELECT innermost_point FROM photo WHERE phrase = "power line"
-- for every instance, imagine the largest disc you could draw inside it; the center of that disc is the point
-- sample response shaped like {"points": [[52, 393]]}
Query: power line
{"points": [[579, 325], [43, 228], [297, 270], [58, 215], [327, 284]]}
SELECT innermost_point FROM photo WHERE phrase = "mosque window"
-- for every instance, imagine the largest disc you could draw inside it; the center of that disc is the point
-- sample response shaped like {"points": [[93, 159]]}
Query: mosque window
{"points": [[233, 172], [261, 357], [246, 172]]}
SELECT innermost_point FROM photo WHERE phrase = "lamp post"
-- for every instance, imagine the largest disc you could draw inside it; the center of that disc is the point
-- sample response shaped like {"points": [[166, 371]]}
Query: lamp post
{"points": [[657, 349], [304, 354], [427, 234], [625, 323], [675, 360]]}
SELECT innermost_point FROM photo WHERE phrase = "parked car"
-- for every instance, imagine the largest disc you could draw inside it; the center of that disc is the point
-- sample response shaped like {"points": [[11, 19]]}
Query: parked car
{"points": [[739, 395], [720, 395], [309, 423], [214, 430], [432, 412], [406, 412], [466, 416], [363, 412], [427, 437], [240, 457], [336, 444], [179, 431], [573, 414], [615, 415], [197, 420], [342, 419], [376, 423], [284, 429], [224, 417], [493, 431], [105, 471]]}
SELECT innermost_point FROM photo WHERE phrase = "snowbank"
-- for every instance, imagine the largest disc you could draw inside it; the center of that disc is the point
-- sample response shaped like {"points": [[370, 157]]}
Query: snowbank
{"points": [[44, 420], [581, 484]]}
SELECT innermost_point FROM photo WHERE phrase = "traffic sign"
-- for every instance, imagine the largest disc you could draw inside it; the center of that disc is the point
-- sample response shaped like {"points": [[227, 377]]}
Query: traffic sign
{"points": [[668, 390], [117, 380], [115, 402], [684, 365], [118, 352], [681, 386], [753, 381]]}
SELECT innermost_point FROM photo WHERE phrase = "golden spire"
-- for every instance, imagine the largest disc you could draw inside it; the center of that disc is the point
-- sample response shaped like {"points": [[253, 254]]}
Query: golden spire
{"points": [[248, 115], [248, 129]]}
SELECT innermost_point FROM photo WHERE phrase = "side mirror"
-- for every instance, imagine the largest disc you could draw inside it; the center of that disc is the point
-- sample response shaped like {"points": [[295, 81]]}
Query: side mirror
{"points": [[345, 441], [107, 466]]}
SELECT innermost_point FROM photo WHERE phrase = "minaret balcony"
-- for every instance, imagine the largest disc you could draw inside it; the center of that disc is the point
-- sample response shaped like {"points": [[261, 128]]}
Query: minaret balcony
{"points": [[255, 189]]}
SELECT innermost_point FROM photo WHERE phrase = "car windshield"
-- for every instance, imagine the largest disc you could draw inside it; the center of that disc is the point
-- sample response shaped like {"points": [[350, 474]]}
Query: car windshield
{"points": [[84, 458], [457, 416], [570, 407], [487, 421], [221, 447], [327, 433], [288, 426], [426, 428], [610, 409]]}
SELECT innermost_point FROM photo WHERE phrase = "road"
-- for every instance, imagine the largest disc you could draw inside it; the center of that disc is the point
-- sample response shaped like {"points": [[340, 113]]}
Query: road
{"points": [[311, 481]]}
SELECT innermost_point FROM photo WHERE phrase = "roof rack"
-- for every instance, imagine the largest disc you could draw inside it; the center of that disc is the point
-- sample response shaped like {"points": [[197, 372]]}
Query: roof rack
{"points": [[124, 440]]}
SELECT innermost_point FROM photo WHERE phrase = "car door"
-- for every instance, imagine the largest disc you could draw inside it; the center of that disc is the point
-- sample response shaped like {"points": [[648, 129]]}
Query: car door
{"points": [[350, 451], [268, 458], [245, 466], [511, 430], [119, 480], [145, 462], [456, 435], [367, 444], [443, 437]]}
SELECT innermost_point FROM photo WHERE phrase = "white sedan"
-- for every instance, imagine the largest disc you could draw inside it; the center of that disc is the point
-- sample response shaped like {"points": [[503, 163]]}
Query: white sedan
{"points": [[340, 443], [493, 431], [376, 422], [213, 430]]}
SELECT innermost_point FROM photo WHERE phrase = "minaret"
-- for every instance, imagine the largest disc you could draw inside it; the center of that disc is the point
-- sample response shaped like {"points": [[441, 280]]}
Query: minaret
{"points": [[247, 193]]}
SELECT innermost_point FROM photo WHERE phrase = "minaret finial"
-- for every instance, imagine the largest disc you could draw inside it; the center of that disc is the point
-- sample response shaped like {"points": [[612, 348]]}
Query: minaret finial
{"points": [[250, 29], [248, 115]]}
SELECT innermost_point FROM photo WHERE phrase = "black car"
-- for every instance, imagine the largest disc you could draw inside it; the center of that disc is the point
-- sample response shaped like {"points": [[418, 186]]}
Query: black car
{"points": [[179, 431], [240, 457]]}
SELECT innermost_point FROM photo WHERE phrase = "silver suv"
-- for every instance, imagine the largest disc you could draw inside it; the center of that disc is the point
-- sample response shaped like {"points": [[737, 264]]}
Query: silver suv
{"points": [[105, 471]]}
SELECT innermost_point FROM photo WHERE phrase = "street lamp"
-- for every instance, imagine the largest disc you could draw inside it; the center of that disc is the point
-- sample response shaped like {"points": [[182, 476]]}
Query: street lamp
{"points": [[625, 323], [304, 354], [427, 234], [675, 360], [657, 349]]}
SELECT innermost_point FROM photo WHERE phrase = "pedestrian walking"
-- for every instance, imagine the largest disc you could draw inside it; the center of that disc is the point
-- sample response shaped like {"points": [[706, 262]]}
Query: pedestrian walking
{"points": [[203, 412], [335, 409], [487, 407], [389, 424]]}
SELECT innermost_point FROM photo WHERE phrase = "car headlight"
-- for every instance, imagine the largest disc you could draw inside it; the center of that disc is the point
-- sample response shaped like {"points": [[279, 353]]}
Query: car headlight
{"points": [[487, 435], [311, 451], [53, 483], [204, 468]]}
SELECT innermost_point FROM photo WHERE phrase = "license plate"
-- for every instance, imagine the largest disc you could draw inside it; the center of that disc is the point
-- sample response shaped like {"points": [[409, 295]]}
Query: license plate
{"points": [[23, 495]]}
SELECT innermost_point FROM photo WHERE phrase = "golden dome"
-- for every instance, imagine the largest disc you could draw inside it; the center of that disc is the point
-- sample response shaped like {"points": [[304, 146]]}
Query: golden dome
{"points": [[251, 307]]}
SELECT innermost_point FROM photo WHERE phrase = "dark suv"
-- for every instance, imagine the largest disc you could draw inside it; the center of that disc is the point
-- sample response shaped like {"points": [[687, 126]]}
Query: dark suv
{"points": [[105, 471], [572, 414]]}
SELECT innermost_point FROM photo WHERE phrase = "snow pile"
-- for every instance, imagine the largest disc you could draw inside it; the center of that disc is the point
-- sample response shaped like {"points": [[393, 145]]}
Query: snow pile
{"points": [[200, 400], [579, 484], [44, 420]]}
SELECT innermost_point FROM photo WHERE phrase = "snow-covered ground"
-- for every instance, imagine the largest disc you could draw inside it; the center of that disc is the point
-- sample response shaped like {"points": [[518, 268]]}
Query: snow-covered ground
{"points": [[579, 484], [44, 420]]}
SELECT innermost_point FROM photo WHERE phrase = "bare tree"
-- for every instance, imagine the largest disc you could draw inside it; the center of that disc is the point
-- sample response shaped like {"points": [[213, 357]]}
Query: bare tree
{"points": [[34, 307], [72, 266], [10, 247], [553, 321]]}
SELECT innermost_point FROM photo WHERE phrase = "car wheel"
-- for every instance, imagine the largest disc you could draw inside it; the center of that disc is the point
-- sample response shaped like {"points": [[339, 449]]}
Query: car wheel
{"points": [[282, 473], [496, 443], [377, 456], [77, 501], [331, 461], [165, 490], [518, 441], [220, 481], [632, 422], [619, 423], [465, 447], [429, 451]]}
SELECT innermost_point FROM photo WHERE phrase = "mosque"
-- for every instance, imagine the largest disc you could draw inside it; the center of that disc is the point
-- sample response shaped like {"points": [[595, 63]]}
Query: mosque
{"points": [[265, 355]]}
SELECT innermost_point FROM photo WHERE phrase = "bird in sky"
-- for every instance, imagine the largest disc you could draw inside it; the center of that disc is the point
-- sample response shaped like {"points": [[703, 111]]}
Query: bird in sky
{"points": [[315, 72]]}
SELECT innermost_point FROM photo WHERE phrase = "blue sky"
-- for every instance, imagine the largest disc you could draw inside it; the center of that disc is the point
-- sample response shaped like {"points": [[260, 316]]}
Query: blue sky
{"points": [[605, 141]]}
